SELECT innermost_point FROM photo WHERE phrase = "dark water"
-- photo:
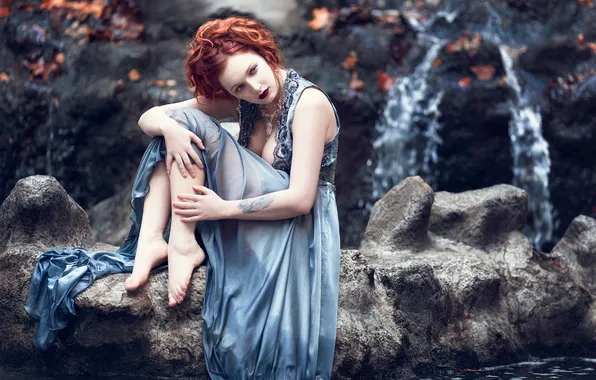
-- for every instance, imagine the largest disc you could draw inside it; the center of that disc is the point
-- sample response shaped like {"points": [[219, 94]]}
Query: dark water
{"points": [[557, 368]]}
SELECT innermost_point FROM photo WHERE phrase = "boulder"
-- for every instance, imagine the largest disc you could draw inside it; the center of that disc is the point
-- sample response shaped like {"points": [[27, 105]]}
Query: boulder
{"points": [[417, 296]]}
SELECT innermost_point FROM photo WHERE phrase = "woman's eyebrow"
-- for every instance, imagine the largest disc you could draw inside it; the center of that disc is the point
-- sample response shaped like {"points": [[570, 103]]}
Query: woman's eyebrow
{"points": [[238, 84]]}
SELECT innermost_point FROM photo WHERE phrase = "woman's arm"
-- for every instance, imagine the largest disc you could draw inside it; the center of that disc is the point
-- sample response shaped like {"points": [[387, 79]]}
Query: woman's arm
{"points": [[155, 121], [313, 115]]}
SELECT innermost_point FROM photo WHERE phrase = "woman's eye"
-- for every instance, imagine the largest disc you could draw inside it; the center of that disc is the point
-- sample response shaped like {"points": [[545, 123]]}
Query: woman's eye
{"points": [[254, 69], [239, 88]]}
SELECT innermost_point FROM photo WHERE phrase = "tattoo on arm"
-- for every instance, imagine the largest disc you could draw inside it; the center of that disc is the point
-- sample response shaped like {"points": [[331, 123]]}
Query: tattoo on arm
{"points": [[256, 205]]}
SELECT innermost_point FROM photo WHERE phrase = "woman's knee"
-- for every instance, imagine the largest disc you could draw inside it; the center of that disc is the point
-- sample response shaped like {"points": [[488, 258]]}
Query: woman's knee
{"points": [[198, 123]]}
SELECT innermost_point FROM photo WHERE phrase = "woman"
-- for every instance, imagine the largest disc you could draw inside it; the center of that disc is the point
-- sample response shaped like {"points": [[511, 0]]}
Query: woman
{"points": [[263, 207]]}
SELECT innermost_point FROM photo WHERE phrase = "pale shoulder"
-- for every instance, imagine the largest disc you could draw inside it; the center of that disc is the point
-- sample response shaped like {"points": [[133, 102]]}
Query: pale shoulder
{"points": [[313, 100]]}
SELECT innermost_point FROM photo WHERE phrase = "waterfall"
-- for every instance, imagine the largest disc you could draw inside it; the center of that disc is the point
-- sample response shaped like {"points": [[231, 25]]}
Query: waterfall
{"points": [[531, 160], [408, 129]]}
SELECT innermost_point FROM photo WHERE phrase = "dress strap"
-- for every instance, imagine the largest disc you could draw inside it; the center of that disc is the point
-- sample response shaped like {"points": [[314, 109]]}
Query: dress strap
{"points": [[247, 115]]}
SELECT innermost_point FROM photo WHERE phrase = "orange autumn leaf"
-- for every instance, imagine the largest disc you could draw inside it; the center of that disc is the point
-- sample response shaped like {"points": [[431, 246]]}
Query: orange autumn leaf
{"points": [[355, 83], [437, 62], [79, 9], [5, 8], [60, 58], [588, 3], [465, 82], [158, 83], [134, 75], [384, 81], [582, 42], [466, 42], [4, 77], [321, 17], [484, 72], [350, 62]]}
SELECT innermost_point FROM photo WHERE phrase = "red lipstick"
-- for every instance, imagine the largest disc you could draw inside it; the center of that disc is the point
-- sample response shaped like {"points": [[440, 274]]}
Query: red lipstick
{"points": [[264, 94]]}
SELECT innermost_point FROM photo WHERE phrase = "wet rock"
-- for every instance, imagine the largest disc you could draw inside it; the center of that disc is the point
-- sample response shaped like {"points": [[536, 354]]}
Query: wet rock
{"points": [[578, 249], [479, 217], [39, 211], [399, 220], [446, 303]]}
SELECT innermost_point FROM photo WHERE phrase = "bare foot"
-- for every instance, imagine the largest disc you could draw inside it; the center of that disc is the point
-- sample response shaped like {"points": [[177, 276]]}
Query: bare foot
{"points": [[183, 258], [150, 253]]}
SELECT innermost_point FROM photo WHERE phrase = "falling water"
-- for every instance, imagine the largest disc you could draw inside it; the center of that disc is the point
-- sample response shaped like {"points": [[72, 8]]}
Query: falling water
{"points": [[531, 161], [407, 132]]}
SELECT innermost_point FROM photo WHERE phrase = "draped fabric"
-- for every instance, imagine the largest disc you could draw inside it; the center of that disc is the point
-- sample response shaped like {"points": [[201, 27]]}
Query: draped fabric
{"points": [[270, 306]]}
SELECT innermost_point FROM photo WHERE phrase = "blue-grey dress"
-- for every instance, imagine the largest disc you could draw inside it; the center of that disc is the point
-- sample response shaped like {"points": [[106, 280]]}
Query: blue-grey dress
{"points": [[270, 307]]}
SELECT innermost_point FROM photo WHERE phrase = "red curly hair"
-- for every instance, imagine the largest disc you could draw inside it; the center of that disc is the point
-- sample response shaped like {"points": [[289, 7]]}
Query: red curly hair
{"points": [[218, 39]]}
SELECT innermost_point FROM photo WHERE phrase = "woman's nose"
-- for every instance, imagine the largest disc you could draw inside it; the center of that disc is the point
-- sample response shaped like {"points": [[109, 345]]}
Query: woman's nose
{"points": [[255, 85]]}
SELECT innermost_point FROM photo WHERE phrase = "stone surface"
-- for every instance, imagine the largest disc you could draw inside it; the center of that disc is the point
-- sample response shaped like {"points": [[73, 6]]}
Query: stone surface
{"points": [[399, 220], [578, 248], [455, 301], [479, 217], [39, 211]]}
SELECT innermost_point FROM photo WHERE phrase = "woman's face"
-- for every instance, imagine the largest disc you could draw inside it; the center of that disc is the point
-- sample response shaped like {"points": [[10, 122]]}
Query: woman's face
{"points": [[247, 76]]}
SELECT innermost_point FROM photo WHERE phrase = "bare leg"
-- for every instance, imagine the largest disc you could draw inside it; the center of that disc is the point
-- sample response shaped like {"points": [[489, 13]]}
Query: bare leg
{"points": [[152, 249], [184, 253]]}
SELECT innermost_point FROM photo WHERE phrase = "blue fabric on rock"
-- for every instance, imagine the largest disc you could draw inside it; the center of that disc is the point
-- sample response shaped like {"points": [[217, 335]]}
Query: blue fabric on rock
{"points": [[271, 292]]}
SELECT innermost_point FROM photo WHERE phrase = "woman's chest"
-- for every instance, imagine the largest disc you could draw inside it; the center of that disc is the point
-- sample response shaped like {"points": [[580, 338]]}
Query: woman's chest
{"points": [[262, 144]]}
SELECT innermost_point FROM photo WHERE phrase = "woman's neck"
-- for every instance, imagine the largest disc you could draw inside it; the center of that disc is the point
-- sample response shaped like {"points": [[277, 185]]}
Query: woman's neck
{"points": [[275, 104]]}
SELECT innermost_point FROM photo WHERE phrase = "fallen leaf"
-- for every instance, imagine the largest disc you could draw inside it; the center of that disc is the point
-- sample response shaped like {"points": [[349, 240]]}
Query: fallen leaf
{"points": [[56, 101], [170, 83], [80, 10], [60, 58], [484, 72], [350, 62], [5, 8], [580, 39], [437, 62], [355, 83], [466, 42], [384, 81], [158, 83], [321, 18], [134, 75], [172, 93], [4, 77], [464, 82], [588, 3]]}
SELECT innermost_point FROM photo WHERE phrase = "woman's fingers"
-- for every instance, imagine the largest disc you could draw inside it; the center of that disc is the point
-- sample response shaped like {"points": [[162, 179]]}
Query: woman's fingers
{"points": [[183, 205], [189, 197], [169, 159], [180, 165], [195, 157], [201, 189], [197, 140], [190, 219], [188, 165], [185, 213]]}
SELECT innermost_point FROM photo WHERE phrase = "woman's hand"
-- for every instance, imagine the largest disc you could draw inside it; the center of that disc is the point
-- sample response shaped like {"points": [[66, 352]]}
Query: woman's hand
{"points": [[205, 204], [179, 147]]}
